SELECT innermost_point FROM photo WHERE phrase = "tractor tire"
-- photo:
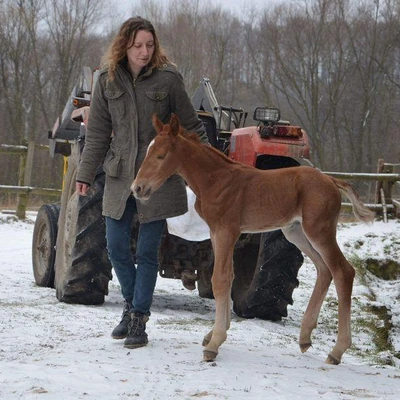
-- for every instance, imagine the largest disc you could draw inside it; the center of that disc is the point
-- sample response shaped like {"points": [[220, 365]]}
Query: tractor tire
{"points": [[265, 276], [266, 266], [82, 268], [204, 285], [44, 244]]}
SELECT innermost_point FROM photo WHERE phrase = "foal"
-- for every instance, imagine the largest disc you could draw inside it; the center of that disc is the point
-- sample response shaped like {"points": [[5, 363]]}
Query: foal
{"points": [[234, 198]]}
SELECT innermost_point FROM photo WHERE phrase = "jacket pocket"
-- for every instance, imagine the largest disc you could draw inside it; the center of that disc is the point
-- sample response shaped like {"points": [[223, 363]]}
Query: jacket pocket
{"points": [[158, 102], [116, 102], [112, 164]]}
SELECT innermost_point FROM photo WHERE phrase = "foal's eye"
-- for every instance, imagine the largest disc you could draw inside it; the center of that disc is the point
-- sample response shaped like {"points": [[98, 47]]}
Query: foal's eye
{"points": [[161, 157]]}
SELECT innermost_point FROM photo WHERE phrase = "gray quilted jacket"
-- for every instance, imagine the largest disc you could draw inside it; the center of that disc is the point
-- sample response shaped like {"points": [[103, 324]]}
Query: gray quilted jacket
{"points": [[125, 107]]}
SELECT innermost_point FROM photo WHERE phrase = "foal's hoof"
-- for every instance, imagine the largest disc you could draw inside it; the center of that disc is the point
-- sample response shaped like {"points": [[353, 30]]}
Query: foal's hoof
{"points": [[209, 355], [304, 347], [332, 360]]}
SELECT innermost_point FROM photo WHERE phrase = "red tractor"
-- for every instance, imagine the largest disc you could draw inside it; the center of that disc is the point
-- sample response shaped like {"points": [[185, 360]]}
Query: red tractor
{"points": [[69, 248]]}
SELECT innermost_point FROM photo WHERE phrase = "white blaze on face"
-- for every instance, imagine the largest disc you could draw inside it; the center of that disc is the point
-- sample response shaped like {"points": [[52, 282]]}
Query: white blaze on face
{"points": [[149, 147], [134, 182]]}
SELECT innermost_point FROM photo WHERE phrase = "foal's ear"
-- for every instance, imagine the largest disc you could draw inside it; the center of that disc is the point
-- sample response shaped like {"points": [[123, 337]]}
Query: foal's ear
{"points": [[158, 125], [174, 124]]}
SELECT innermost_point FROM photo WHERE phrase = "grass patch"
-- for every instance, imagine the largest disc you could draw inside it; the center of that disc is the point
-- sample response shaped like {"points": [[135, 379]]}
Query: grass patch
{"points": [[375, 320], [384, 269]]}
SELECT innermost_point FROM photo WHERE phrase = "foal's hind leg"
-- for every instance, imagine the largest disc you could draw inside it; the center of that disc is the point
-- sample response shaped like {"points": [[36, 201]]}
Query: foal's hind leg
{"points": [[322, 236], [295, 234], [343, 276]]}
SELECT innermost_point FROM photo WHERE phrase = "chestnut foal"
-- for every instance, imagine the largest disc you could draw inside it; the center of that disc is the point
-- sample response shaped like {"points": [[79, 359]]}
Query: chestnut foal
{"points": [[234, 198]]}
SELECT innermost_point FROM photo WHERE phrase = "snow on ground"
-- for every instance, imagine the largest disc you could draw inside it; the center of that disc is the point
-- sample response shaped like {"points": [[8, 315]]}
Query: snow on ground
{"points": [[53, 350]]}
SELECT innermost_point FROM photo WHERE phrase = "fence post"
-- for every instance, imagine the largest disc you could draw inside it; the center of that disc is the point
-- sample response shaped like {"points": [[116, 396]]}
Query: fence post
{"points": [[378, 183], [24, 179], [384, 168]]}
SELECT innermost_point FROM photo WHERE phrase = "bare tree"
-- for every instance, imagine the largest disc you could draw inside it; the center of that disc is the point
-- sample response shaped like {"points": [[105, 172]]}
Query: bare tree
{"points": [[370, 95], [16, 80], [224, 52], [70, 26]]}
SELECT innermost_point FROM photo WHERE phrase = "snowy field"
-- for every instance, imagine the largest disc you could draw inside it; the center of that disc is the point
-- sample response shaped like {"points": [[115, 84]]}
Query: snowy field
{"points": [[53, 350]]}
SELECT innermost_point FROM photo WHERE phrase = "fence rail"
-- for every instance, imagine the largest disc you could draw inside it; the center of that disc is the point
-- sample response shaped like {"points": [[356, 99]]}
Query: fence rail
{"points": [[386, 179], [24, 189], [30, 190], [364, 177]]}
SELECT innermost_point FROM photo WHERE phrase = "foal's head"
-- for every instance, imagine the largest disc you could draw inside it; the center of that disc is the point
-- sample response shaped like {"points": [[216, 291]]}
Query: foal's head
{"points": [[159, 163]]}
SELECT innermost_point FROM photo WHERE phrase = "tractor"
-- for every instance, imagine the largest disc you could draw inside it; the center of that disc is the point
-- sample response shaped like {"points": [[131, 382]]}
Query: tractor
{"points": [[69, 246]]}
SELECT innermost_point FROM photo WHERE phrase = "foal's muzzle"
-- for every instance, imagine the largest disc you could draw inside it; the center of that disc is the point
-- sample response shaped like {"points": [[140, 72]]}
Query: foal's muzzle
{"points": [[141, 192]]}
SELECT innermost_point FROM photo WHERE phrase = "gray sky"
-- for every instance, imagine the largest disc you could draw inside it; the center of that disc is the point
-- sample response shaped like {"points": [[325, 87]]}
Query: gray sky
{"points": [[232, 5]]}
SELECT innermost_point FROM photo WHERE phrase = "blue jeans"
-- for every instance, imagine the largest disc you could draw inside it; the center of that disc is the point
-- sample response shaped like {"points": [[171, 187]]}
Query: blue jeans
{"points": [[137, 281]]}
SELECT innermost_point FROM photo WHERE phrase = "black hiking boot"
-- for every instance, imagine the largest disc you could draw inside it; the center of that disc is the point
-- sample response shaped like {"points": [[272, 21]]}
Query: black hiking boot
{"points": [[137, 337], [121, 330]]}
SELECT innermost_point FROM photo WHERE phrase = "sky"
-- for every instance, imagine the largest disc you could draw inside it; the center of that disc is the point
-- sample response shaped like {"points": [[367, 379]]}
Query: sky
{"points": [[232, 5], [56, 351]]}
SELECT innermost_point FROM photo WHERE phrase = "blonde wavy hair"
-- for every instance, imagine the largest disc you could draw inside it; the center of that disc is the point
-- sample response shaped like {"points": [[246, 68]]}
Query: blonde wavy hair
{"points": [[125, 38]]}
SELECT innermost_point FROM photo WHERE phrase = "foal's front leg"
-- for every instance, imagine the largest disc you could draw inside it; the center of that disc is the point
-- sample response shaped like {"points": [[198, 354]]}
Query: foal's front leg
{"points": [[222, 278], [207, 337]]}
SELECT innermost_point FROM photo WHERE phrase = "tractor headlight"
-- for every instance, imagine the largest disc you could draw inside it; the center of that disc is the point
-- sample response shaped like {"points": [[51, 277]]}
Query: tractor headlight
{"points": [[266, 114]]}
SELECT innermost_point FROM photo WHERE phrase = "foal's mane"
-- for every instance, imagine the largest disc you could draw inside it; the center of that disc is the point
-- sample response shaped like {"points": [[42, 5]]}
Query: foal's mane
{"points": [[194, 137]]}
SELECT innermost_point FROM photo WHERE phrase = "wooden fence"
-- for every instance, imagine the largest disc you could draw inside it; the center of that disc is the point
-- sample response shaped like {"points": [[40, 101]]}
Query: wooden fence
{"points": [[387, 181], [24, 188]]}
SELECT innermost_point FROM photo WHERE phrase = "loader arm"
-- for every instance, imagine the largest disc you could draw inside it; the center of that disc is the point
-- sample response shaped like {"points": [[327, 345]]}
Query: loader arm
{"points": [[227, 118]]}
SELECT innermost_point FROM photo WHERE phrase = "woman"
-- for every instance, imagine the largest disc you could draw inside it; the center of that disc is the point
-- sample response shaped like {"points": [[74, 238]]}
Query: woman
{"points": [[137, 80]]}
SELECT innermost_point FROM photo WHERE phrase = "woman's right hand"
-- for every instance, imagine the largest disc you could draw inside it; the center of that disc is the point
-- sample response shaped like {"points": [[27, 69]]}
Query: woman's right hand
{"points": [[82, 188]]}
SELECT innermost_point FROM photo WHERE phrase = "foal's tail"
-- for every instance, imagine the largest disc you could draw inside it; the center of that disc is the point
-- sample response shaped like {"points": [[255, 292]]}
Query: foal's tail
{"points": [[359, 209]]}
